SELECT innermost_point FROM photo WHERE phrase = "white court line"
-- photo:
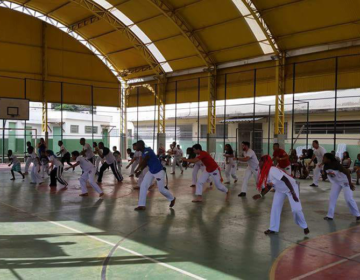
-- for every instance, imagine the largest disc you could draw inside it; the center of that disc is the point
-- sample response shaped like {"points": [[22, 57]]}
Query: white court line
{"points": [[325, 267], [112, 244]]}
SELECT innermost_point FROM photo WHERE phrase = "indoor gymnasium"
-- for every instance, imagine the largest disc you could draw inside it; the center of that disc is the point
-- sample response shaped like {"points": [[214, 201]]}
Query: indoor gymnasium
{"points": [[179, 139]]}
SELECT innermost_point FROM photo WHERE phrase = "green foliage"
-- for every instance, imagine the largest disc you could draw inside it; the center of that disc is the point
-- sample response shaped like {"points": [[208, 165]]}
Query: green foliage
{"points": [[71, 108]]}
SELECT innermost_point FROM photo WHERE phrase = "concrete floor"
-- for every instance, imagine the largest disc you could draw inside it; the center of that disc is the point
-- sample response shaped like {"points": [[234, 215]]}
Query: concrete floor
{"points": [[64, 236]]}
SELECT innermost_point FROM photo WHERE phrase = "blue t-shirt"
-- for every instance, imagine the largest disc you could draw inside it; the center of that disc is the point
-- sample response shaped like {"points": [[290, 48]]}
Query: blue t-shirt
{"points": [[153, 163]]}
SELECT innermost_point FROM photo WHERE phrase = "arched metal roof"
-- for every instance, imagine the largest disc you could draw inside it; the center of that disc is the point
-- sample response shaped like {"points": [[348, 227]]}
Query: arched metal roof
{"points": [[154, 37]]}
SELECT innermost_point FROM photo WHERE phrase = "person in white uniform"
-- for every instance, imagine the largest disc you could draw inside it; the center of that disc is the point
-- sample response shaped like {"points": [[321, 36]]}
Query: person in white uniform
{"points": [[28, 158], [211, 170], [134, 162], [285, 187], [56, 170], [65, 155], [87, 151], [117, 156], [99, 159], [250, 158], [110, 161], [35, 171], [15, 162], [177, 153], [156, 171], [319, 153], [340, 180], [88, 174], [230, 164]]}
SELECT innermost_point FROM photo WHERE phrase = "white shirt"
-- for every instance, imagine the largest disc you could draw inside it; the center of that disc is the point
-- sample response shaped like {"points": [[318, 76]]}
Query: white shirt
{"points": [[274, 178], [337, 177], [63, 151], [88, 151], [55, 161], [319, 154], [34, 158], [137, 156], [85, 164], [109, 158], [178, 152], [253, 162], [14, 160]]}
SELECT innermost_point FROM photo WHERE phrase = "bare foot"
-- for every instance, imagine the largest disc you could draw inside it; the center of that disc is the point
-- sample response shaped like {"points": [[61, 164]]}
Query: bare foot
{"points": [[192, 186], [235, 181], [140, 208], [227, 196], [101, 195], [227, 183], [182, 172], [12, 179], [84, 194], [197, 200]]}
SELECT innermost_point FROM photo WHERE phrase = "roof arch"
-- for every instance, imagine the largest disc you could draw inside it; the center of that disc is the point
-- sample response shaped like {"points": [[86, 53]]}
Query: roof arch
{"points": [[28, 11]]}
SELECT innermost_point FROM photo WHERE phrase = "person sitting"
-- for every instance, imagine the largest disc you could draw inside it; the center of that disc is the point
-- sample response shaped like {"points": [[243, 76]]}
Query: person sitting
{"points": [[346, 161], [357, 169], [295, 165]]}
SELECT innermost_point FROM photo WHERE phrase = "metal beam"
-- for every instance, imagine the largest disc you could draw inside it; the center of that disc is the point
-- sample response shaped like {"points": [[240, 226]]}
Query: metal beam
{"points": [[123, 120], [44, 124], [167, 10], [280, 92], [84, 22], [58, 8], [261, 23], [211, 125], [102, 13]]}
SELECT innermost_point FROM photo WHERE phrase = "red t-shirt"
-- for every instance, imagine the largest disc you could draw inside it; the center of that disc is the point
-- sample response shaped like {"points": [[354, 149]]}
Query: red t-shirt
{"points": [[281, 163], [208, 161]]}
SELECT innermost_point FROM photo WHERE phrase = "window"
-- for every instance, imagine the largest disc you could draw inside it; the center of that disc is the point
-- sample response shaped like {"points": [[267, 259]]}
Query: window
{"points": [[74, 129], [219, 131], [88, 129], [342, 127]]}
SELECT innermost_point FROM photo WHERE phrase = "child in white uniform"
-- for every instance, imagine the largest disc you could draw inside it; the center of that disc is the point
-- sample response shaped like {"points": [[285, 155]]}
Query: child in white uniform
{"points": [[319, 153], [110, 161], [35, 171], [117, 156], [28, 159], [230, 164], [340, 180], [87, 151], [134, 162], [177, 153], [250, 158], [285, 187], [56, 170], [16, 167], [88, 174]]}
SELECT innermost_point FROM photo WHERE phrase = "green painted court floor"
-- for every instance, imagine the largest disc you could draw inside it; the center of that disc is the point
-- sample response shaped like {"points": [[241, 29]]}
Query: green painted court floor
{"points": [[60, 235]]}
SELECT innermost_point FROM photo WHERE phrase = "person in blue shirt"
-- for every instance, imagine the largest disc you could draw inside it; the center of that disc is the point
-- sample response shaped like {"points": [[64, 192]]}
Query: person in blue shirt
{"points": [[156, 171]]}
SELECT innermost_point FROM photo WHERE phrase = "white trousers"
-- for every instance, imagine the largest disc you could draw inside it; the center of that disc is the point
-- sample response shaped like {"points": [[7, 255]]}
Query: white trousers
{"points": [[197, 166], [133, 167], [146, 183], [348, 195], [142, 176], [97, 163], [27, 164], [89, 176], [176, 160], [248, 173], [215, 175], [35, 175], [230, 170], [277, 206], [44, 169], [119, 165], [317, 174]]}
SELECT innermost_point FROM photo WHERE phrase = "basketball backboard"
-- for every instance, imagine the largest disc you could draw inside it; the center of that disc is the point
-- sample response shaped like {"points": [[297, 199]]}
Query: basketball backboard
{"points": [[14, 109]]}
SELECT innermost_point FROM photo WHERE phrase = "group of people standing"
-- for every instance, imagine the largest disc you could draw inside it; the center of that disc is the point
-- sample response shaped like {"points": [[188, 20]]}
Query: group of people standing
{"points": [[270, 173]]}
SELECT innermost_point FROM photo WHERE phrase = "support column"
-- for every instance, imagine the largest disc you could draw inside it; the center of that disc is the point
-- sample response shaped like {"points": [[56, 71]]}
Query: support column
{"points": [[44, 125], [279, 102], [123, 120], [211, 124], [161, 121]]}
